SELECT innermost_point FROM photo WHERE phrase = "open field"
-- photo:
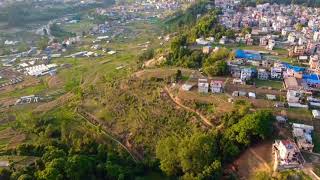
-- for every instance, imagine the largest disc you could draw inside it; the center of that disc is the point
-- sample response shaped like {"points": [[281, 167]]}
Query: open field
{"points": [[256, 158], [82, 26], [277, 85]]}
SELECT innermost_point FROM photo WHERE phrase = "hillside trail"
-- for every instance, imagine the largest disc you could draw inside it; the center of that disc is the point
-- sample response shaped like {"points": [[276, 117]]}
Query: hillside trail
{"points": [[97, 122], [177, 101], [265, 164]]}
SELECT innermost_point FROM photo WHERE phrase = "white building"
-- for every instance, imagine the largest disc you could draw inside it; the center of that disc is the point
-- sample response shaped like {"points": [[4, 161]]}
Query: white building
{"points": [[293, 96], [316, 114], [276, 73], [216, 86], [263, 74], [246, 74], [203, 86]]}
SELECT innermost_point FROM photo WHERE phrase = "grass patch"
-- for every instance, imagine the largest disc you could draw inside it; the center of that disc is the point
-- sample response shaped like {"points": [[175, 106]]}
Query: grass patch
{"points": [[268, 83], [83, 25], [36, 89]]}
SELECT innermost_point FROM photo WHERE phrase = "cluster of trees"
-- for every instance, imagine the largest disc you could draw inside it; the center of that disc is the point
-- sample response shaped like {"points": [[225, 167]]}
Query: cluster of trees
{"points": [[42, 43], [58, 32], [208, 25], [62, 154], [214, 64], [203, 154], [146, 55], [188, 17]]}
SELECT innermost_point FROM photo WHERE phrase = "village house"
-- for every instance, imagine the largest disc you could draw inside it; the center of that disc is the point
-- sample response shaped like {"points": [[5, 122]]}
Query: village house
{"points": [[271, 97], [316, 114], [276, 73], [286, 155], [187, 86], [201, 41], [216, 86], [296, 51], [263, 74], [293, 96], [271, 44], [267, 63], [311, 48], [234, 70], [302, 135], [252, 95], [314, 62], [246, 74], [296, 72], [206, 49], [203, 86], [248, 39], [281, 119], [291, 83], [223, 40], [264, 41], [292, 38]]}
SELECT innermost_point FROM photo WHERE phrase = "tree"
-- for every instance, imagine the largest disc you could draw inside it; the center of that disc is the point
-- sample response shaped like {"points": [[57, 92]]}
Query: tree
{"points": [[218, 68], [45, 31], [166, 152], [253, 126], [51, 153], [197, 152], [178, 75], [25, 177], [229, 151], [213, 171], [50, 173], [115, 171], [246, 30], [5, 174], [147, 55], [262, 175], [79, 167], [22, 47], [195, 60], [43, 43]]}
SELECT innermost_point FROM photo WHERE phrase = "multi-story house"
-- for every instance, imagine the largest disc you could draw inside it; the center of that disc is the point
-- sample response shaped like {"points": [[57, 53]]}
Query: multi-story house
{"points": [[203, 86], [263, 74], [276, 73]]}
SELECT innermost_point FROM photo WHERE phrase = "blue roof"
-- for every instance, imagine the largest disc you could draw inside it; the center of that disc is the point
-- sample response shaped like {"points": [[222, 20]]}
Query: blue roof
{"points": [[295, 68], [311, 78], [248, 55]]}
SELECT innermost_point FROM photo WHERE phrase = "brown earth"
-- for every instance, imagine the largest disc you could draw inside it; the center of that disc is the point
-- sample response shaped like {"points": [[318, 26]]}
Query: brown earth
{"points": [[62, 100], [256, 158], [54, 82], [13, 137]]}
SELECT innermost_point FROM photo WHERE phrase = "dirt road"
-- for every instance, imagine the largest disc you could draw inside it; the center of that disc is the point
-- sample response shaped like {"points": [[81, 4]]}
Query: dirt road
{"points": [[177, 101]]}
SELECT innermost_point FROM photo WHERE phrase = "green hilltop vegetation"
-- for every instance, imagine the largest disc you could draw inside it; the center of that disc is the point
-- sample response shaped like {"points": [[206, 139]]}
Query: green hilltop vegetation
{"points": [[162, 140]]}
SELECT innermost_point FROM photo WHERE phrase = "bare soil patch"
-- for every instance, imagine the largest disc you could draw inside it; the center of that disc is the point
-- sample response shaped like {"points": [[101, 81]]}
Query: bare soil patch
{"points": [[11, 138], [62, 100], [256, 158], [54, 82]]}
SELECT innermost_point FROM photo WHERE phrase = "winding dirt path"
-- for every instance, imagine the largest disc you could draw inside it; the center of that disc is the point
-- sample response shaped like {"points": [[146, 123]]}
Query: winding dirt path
{"points": [[96, 122], [177, 101], [265, 164]]}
